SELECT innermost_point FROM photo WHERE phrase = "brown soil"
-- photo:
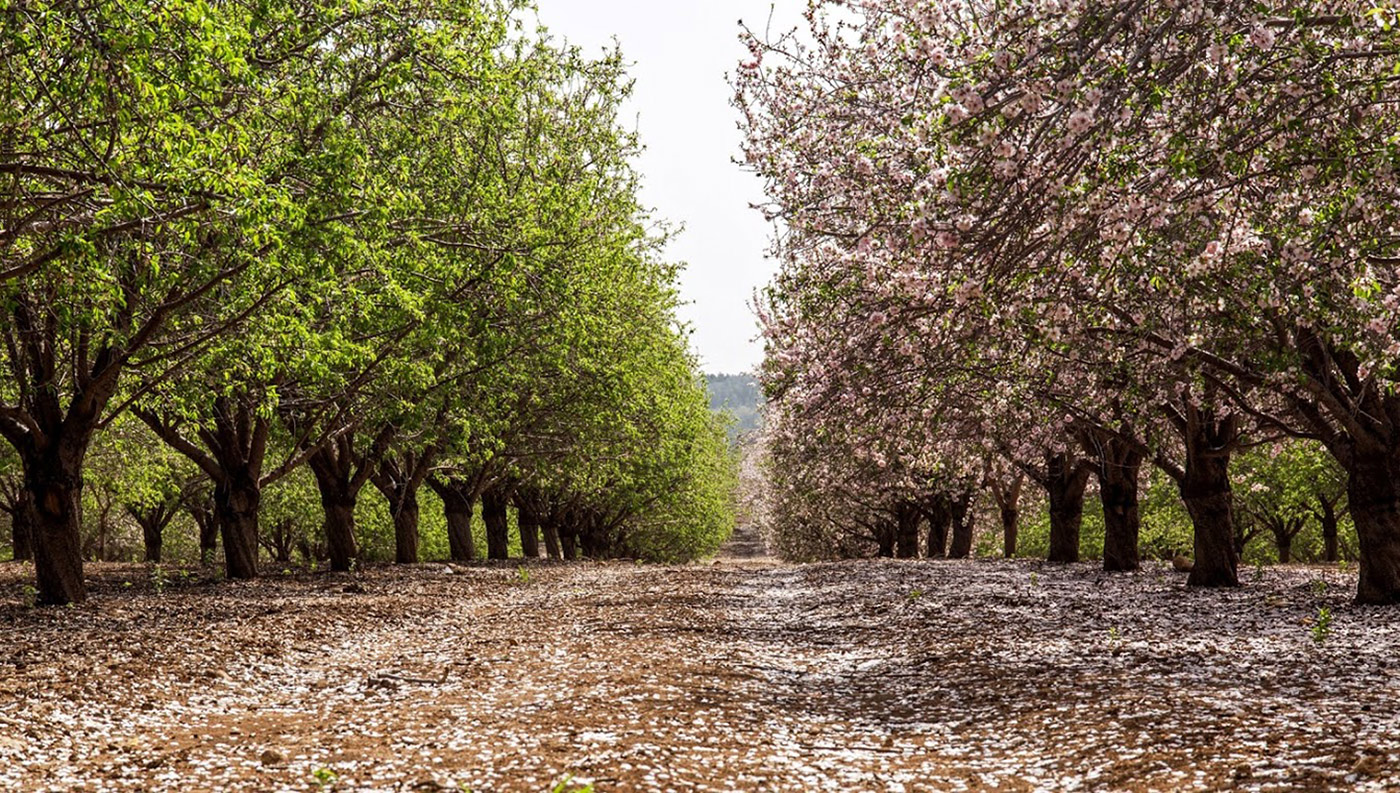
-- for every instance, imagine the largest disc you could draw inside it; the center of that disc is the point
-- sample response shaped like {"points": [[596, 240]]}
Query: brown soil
{"points": [[742, 675]]}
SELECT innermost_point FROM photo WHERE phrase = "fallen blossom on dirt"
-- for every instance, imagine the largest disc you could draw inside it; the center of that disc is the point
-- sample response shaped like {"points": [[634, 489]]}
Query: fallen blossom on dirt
{"points": [[742, 675]]}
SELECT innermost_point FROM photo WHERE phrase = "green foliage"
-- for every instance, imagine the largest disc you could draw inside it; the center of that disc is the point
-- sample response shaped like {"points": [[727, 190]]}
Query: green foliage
{"points": [[405, 230], [1322, 626]]}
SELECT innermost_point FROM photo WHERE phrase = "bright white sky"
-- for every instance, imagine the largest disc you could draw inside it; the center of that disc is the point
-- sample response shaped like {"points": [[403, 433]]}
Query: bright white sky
{"points": [[680, 52]]}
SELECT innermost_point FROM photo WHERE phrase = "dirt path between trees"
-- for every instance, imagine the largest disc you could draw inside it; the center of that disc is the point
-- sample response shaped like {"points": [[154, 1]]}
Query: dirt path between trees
{"points": [[744, 675]]}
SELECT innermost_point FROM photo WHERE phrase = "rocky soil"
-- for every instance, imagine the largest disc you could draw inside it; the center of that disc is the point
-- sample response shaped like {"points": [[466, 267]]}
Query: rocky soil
{"points": [[739, 675]]}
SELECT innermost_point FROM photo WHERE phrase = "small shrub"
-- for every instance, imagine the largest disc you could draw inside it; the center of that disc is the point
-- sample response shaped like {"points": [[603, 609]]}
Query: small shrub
{"points": [[1322, 626]]}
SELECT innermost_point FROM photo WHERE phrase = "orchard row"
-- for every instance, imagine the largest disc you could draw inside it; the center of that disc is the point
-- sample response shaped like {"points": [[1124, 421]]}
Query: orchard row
{"points": [[350, 243], [1056, 240]]}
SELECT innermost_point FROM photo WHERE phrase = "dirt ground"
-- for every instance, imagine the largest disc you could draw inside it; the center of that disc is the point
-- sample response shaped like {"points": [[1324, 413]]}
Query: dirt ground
{"points": [[740, 675]]}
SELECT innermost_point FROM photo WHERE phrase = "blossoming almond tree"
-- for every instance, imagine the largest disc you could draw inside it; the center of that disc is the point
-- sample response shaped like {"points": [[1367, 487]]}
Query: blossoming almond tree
{"points": [[1208, 188]]}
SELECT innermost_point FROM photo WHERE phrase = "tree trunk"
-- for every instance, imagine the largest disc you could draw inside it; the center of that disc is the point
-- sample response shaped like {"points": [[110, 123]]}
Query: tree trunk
{"points": [[551, 538], [1205, 489], [528, 521], [1010, 527], [236, 504], [1284, 544], [338, 527], [1065, 483], [907, 534], [457, 500], [339, 495], [21, 535], [1373, 488], [963, 526], [1328, 519], [460, 543], [494, 514], [405, 510], [208, 532], [1008, 498], [153, 536], [54, 480], [885, 538], [939, 520], [1118, 470]]}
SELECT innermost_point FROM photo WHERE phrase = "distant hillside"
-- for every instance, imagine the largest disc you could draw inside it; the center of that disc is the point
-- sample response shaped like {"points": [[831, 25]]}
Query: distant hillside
{"points": [[740, 395]]}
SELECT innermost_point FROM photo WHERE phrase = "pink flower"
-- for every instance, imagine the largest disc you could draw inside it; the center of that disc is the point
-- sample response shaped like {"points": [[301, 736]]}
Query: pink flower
{"points": [[1262, 37], [1080, 121]]}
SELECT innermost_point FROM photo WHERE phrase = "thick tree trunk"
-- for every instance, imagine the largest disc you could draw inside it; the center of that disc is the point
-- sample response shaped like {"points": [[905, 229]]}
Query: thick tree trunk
{"points": [[1010, 527], [1118, 470], [21, 533], [1373, 488], [1205, 489], [338, 527], [494, 514], [339, 495], [1065, 483], [963, 526], [153, 537], [1284, 545], [460, 543], [236, 504], [940, 518], [457, 501], [907, 519], [54, 481]]}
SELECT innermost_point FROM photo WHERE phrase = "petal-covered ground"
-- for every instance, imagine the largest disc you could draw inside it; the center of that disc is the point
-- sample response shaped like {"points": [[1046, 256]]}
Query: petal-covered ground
{"points": [[740, 675]]}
